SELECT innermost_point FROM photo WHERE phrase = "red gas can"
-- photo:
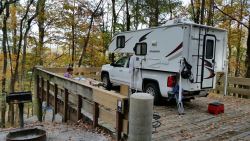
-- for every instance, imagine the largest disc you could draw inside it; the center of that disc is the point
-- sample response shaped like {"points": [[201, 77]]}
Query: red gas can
{"points": [[215, 108]]}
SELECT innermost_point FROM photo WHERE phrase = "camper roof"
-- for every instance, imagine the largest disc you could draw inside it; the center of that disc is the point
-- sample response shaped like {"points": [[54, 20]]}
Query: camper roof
{"points": [[174, 22]]}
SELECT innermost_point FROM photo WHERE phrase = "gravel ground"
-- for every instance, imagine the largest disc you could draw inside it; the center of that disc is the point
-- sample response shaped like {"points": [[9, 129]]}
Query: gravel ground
{"points": [[58, 131]]}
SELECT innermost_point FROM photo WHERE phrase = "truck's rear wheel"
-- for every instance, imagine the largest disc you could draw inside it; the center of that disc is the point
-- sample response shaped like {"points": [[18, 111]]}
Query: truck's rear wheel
{"points": [[152, 88], [106, 81]]}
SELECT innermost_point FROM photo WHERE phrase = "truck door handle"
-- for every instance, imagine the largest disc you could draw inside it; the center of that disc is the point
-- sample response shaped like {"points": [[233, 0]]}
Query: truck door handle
{"points": [[120, 70]]}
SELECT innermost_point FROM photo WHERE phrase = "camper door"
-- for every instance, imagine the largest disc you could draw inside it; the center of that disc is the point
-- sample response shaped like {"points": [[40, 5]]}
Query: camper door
{"points": [[208, 60]]}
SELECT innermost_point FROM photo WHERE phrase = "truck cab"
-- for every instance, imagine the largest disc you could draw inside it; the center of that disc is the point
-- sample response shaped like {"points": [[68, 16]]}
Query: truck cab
{"points": [[116, 73]]}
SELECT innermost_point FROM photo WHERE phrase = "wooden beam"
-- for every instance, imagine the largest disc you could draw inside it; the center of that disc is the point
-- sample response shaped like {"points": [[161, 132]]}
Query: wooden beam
{"points": [[65, 105], [47, 92], [79, 107], [119, 123], [39, 101], [55, 99], [124, 89], [95, 115], [42, 89], [107, 98], [74, 86]]}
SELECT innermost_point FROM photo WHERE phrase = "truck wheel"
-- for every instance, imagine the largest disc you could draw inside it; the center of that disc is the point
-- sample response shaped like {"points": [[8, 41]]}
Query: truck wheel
{"points": [[152, 88], [106, 81]]}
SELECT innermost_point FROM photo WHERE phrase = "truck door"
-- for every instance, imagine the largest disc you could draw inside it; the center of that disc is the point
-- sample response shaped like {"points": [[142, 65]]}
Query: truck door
{"points": [[208, 60], [120, 71]]}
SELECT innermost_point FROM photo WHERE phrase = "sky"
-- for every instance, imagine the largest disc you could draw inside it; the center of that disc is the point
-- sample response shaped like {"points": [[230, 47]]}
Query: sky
{"points": [[185, 2]]}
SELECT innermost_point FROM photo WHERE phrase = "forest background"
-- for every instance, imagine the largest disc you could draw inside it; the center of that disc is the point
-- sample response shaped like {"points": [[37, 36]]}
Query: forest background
{"points": [[61, 33]]}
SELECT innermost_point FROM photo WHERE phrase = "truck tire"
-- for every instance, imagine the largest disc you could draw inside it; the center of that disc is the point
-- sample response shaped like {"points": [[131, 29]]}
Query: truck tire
{"points": [[153, 89], [106, 81]]}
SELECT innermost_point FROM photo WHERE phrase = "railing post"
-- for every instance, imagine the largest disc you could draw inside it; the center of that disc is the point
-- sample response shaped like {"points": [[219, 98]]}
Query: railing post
{"points": [[47, 92], [65, 106], [42, 88], [55, 99], [95, 115], [79, 107], [118, 125], [39, 100]]}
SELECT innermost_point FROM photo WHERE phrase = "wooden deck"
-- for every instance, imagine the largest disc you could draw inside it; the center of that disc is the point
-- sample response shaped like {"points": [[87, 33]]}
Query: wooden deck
{"points": [[197, 124]]}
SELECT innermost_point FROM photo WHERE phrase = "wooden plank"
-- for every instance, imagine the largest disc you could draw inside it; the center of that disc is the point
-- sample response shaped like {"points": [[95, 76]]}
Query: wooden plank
{"points": [[96, 114], [87, 108], [55, 99], [107, 98], [65, 106], [107, 117], [74, 86], [39, 101], [125, 126], [42, 89], [79, 107], [119, 123], [47, 92], [241, 91], [124, 90], [239, 81]]}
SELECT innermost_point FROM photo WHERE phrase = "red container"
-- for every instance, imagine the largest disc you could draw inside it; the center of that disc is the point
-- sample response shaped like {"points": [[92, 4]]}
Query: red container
{"points": [[215, 108]]}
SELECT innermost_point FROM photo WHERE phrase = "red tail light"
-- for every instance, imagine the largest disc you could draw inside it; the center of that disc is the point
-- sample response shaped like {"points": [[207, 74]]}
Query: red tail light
{"points": [[171, 81]]}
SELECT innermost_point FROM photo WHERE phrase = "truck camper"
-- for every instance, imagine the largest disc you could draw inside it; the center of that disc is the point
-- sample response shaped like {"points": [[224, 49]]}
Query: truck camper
{"points": [[179, 57]]}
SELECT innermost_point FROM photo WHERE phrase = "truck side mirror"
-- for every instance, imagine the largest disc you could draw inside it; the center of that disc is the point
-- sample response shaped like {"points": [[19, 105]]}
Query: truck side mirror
{"points": [[140, 49]]}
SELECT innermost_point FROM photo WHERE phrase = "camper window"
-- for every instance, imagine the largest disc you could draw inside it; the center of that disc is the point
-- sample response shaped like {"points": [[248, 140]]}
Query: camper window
{"points": [[141, 49], [209, 49], [120, 42]]}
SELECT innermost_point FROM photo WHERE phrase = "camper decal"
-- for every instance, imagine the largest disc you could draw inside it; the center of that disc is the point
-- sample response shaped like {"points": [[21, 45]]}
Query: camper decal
{"points": [[207, 63], [144, 37], [211, 71], [128, 40], [176, 49]]}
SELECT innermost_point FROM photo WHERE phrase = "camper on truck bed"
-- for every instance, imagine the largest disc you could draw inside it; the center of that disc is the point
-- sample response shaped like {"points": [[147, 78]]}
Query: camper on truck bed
{"points": [[179, 55]]}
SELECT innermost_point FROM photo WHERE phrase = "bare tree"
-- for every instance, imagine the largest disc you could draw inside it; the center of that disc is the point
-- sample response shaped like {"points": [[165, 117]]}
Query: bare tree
{"points": [[86, 41]]}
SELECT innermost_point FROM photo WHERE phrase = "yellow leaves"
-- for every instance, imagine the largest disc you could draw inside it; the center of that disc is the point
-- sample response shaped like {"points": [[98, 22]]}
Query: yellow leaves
{"points": [[13, 16]]}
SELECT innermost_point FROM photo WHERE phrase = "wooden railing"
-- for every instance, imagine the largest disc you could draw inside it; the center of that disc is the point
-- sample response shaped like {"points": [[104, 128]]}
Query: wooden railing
{"points": [[77, 99], [93, 72], [237, 86]]}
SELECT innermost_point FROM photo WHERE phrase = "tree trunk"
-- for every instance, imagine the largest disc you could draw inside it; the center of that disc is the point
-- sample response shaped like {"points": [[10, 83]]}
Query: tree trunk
{"points": [[73, 38], [127, 16], [202, 11], [114, 17], [198, 12], [41, 20], [248, 51], [153, 13], [136, 22], [14, 25], [229, 46], [25, 38], [193, 11], [170, 9], [210, 13], [5, 57], [238, 47]]}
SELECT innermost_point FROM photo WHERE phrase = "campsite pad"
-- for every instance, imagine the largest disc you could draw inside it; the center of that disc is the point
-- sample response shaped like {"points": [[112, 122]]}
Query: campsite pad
{"points": [[198, 124]]}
